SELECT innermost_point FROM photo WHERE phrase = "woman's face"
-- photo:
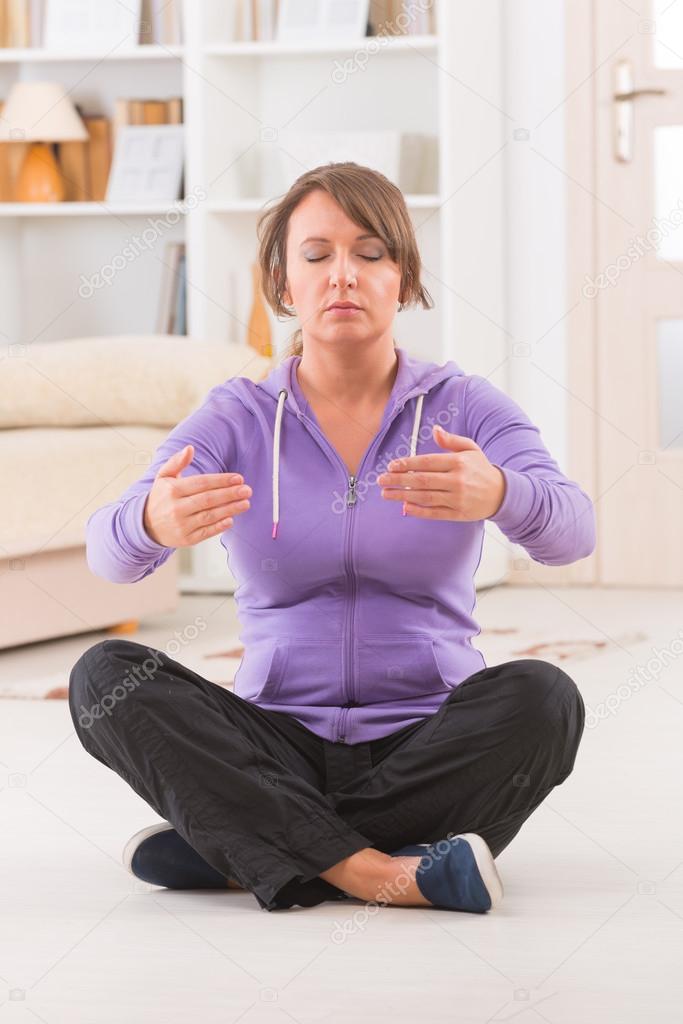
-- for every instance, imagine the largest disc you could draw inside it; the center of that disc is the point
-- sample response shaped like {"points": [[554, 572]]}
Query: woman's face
{"points": [[328, 262]]}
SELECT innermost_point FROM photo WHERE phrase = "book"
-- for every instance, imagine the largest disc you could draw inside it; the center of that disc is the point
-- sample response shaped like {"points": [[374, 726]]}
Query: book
{"points": [[154, 112], [37, 15], [18, 23], [72, 160], [12, 156], [169, 285], [178, 323], [174, 108], [98, 154]]}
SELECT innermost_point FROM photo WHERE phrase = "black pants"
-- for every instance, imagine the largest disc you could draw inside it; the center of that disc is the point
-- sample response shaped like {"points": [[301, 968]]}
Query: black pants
{"points": [[267, 802]]}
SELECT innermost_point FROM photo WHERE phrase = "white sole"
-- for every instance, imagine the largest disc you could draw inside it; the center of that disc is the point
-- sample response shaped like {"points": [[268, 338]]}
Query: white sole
{"points": [[134, 841], [486, 865]]}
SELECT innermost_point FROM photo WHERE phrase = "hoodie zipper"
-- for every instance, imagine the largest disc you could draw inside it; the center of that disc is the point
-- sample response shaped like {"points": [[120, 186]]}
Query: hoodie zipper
{"points": [[350, 503], [351, 499]]}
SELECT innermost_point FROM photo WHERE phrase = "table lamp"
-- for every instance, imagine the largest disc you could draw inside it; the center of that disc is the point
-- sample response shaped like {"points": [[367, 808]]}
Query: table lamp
{"points": [[40, 113]]}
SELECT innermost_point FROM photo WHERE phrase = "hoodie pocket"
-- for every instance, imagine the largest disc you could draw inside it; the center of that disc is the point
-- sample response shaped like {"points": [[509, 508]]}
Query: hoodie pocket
{"points": [[397, 668], [260, 671], [306, 672]]}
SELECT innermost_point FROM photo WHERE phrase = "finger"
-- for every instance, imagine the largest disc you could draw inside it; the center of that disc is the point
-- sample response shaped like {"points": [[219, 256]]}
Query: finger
{"points": [[438, 512], [207, 481], [211, 515], [416, 480], [211, 519], [210, 530], [192, 503], [438, 462], [177, 461], [426, 499]]}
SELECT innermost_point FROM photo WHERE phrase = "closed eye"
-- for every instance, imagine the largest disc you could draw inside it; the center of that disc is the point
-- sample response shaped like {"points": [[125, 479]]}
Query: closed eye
{"points": [[317, 259]]}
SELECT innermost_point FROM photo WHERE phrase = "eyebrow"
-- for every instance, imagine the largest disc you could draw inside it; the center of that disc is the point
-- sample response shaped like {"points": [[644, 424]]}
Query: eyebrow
{"points": [[358, 238]]}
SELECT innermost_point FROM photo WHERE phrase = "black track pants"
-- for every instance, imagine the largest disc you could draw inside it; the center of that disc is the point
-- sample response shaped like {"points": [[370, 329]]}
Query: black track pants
{"points": [[270, 804]]}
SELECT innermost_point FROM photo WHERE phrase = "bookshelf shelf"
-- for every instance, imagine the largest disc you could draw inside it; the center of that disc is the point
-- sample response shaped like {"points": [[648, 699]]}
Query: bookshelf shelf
{"points": [[40, 55], [315, 47], [94, 209], [226, 206]]}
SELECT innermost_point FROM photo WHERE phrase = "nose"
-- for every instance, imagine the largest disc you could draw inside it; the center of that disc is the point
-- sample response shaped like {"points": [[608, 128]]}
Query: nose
{"points": [[342, 274]]}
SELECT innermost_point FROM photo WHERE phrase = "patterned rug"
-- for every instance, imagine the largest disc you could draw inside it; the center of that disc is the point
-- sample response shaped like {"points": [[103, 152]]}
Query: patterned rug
{"points": [[220, 666]]}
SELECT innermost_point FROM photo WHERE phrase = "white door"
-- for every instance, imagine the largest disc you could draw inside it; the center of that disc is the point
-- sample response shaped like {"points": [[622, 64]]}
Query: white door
{"points": [[638, 290]]}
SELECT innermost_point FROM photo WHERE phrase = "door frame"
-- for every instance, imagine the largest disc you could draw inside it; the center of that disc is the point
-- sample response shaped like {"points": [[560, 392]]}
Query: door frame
{"points": [[581, 259]]}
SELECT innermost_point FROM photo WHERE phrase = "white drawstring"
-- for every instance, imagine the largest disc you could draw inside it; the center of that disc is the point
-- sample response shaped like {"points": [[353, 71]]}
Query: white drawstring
{"points": [[413, 437], [416, 424], [282, 397]]}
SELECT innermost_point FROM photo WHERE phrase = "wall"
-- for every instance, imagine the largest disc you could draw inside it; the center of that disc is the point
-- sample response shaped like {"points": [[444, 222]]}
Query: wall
{"points": [[535, 201]]}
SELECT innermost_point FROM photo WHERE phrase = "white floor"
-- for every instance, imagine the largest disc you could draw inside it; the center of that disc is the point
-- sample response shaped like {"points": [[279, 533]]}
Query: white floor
{"points": [[590, 929]]}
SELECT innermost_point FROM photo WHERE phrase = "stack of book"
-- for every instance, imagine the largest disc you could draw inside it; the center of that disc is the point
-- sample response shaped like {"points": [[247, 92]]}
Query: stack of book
{"points": [[258, 19], [146, 111], [160, 22], [84, 166], [22, 22], [398, 18]]}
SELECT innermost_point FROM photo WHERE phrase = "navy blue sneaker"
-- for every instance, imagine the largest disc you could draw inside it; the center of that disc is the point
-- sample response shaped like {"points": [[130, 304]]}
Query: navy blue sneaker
{"points": [[457, 873], [158, 855]]}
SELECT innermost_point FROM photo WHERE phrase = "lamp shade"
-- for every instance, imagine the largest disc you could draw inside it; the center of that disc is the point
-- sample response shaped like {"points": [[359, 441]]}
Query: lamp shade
{"points": [[40, 112]]}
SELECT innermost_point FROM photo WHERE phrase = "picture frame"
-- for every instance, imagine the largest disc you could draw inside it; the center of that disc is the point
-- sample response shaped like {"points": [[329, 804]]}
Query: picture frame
{"points": [[322, 19], [81, 25], [147, 166]]}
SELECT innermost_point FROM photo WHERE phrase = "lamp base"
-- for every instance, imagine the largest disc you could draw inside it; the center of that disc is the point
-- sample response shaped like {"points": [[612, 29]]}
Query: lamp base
{"points": [[39, 179]]}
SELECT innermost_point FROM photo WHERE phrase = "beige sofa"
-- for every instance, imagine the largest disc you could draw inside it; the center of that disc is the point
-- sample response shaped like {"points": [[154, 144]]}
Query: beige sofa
{"points": [[79, 421]]}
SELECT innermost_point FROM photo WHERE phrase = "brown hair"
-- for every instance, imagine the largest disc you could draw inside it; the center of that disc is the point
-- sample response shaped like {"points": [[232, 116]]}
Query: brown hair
{"points": [[370, 200]]}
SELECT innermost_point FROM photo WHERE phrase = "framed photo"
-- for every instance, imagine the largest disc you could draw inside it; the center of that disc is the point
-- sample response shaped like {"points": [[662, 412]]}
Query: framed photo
{"points": [[322, 19], [148, 164], [84, 25]]}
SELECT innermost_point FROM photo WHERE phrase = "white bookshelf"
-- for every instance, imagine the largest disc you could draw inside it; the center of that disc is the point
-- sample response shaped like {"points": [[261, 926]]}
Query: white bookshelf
{"points": [[388, 44], [99, 208], [40, 55], [235, 95]]}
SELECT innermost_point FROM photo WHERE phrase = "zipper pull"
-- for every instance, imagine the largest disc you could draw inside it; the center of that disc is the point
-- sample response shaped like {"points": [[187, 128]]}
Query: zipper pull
{"points": [[351, 500]]}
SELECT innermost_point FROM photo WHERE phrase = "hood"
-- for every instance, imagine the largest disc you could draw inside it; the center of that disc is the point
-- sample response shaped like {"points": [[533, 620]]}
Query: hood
{"points": [[414, 379]]}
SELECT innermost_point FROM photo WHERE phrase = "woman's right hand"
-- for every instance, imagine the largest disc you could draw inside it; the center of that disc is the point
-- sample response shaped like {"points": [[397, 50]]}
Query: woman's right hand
{"points": [[184, 510]]}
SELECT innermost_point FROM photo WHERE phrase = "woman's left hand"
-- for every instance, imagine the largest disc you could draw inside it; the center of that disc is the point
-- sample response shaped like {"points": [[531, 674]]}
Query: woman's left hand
{"points": [[459, 483]]}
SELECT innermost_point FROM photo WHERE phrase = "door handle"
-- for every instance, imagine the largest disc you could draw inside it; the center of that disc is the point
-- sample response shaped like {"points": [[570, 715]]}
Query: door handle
{"points": [[639, 92], [624, 115]]}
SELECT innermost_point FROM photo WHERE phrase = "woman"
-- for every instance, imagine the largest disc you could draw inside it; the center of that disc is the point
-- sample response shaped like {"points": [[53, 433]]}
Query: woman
{"points": [[366, 751]]}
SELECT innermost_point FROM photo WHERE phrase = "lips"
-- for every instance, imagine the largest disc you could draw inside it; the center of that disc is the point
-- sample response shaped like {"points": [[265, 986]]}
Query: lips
{"points": [[343, 305]]}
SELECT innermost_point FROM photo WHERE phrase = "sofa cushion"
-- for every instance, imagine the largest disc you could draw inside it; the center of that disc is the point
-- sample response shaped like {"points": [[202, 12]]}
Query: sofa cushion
{"points": [[153, 380], [61, 476]]}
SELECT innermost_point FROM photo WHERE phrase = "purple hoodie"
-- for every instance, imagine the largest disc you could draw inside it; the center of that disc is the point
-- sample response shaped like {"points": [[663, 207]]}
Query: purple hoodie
{"points": [[356, 620]]}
